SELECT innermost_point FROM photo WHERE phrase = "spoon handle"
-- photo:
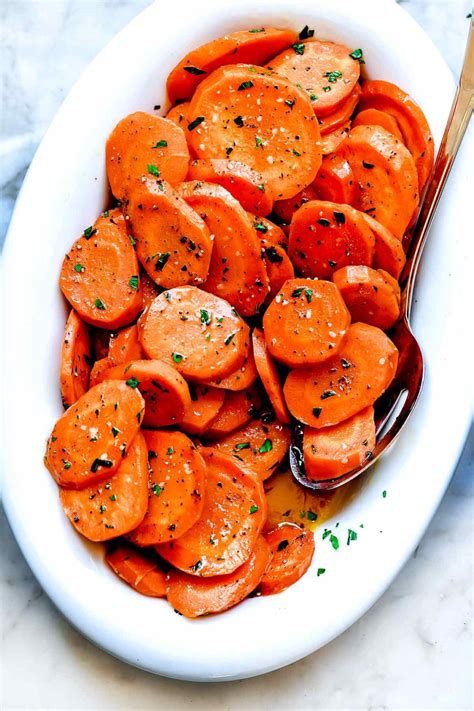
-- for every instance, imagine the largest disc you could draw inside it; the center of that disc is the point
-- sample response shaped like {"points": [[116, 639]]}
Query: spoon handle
{"points": [[461, 111]]}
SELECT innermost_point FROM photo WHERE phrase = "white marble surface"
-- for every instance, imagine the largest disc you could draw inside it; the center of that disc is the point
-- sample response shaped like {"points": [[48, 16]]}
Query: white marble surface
{"points": [[413, 650]]}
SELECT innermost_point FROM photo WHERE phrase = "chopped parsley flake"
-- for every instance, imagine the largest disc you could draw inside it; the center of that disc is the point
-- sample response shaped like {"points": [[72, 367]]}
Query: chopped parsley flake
{"points": [[298, 48], [306, 33], [242, 445], [132, 383], [99, 304], [194, 70], [157, 489], [195, 123], [245, 85], [253, 509], [267, 446], [161, 261], [358, 54], [89, 232], [134, 282], [153, 170]]}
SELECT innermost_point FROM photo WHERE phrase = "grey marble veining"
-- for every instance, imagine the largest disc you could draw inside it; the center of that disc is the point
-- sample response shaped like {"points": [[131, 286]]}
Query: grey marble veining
{"points": [[412, 650]]}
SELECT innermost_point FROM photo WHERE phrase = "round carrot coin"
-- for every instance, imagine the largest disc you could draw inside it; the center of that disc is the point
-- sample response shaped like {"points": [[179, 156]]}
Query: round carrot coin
{"points": [[236, 272], [333, 451], [179, 114], [291, 550], [193, 596], [335, 181], [75, 360], [372, 296], [285, 209], [306, 323], [243, 377], [97, 371], [278, 265], [99, 276], [88, 442], [177, 479], [325, 70], [388, 251], [267, 230], [124, 346], [266, 120], [269, 376], [144, 145], [375, 117], [140, 570], [197, 333], [325, 236], [203, 409], [232, 518], [116, 505], [238, 408], [331, 142], [345, 384], [341, 116]]}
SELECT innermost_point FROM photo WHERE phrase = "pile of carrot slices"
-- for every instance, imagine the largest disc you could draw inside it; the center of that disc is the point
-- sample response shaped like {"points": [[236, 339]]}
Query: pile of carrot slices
{"points": [[243, 280]]}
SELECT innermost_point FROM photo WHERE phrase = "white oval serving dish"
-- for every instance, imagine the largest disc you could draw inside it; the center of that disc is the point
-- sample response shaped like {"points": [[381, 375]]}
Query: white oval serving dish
{"points": [[64, 190]]}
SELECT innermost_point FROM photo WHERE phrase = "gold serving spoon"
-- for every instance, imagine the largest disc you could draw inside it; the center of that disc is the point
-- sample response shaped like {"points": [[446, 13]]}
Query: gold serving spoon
{"points": [[394, 408]]}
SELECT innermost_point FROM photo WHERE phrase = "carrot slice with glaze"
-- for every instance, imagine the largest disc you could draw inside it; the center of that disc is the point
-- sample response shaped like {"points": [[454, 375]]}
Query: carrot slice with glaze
{"points": [[197, 333], [99, 275], [269, 376], [206, 402], [239, 407], [172, 242], [164, 390], [150, 289], [259, 447], [141, 145], [388, 251], [345, 384], [243, 108], [179, 114], [334, 451], [116, 505], [243, 377], [335, 181], [375, 117], [233, 516], [124, 345], [410, 119], [306, 323], [285, 209], [177, 481], [385, 174], [100, 338], [372, 296], [97, 371], [236, 272], [88, 442], [325, 236], [278, 265], [193, 596], [267, 230], [325, 70], [331, 141], [139, 570], [340, 117], [242, 182], [75, 360], [254, 46], [292, 550]]}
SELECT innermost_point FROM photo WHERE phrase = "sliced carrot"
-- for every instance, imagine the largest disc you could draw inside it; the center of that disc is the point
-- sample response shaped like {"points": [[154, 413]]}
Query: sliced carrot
{"points": [[176, 493], [254, 46], [236, 272], [331, 141], [98, 369], [410, 119], [193, 596], [278, 265], [142, 145], [124, 346], [325, 70], [333, 391], [334, 451], [172, 242], [245, 108], [150, 289], [371, 296], [292, 550], [375, 117], [388, 253], [199, 334], [179, 114], [99, 276], [233, 516], [269, 376], [239, 407], [325, 236], [206, 402], [242, 182], [138, 569], [100, 338], [267, 230], [243, 377], [285, 209], [88, 442], [385, 174], [335, 181], [75, 360], [116, 505], [306, 323], [260, 446], [341, 116], [165, 391]]}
